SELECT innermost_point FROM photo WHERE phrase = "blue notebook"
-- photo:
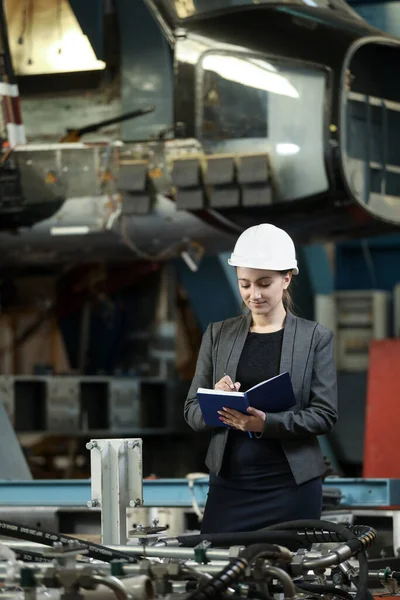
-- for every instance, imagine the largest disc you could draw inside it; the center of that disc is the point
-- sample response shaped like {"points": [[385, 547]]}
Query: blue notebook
{"points": [[273, 395]]}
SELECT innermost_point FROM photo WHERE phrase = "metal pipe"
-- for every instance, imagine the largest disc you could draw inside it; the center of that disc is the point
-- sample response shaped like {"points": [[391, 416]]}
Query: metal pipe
{"points": [[289, 588], [334, 557], [129, 570], [113, 584]]}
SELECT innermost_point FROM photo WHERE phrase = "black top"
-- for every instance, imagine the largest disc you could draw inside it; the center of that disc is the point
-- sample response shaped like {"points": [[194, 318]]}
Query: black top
{"points": [[250, 462]]}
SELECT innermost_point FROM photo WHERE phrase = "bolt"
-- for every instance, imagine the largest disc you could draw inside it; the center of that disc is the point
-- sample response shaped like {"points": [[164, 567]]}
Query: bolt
{"points": [[91, 445], [337, 578], [135, 503], [93, 503], [132, 445]]}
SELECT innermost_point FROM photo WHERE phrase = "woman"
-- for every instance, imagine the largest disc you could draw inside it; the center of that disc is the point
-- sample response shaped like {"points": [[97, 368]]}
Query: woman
{"points": [[275, 475]]}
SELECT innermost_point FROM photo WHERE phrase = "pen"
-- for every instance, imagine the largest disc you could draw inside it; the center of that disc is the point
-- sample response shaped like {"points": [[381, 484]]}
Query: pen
{"points": [[226, 374]]}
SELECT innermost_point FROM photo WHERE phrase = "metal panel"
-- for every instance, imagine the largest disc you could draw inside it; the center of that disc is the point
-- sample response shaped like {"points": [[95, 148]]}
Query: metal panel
{"points": [[62, 404], [220, 179], [7, 396], [116, 467], [253, 175], [146, 71], [367, 492], [124, 404], [90, 17], [186, 177], [12, 460], [81, 172]]}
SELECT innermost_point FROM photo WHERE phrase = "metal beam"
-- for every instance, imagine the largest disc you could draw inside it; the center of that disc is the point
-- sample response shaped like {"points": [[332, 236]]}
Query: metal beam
{"points": [[156, 493], [176, 492]]}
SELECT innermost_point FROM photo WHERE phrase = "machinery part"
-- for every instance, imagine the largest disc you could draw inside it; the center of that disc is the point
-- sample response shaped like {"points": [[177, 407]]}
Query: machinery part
{"points": [[235, 571], [113, 584], [139, 587], [323, 589], [289, 589], [251, 574], [337, 556], [117, 483], [96, 551]]}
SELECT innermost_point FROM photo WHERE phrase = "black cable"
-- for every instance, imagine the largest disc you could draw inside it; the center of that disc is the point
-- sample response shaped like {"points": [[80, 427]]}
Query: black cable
{"points": [[323, 589], [229, 575], [244, 538], [235, 570], [366, 536], [28, 556], [328, 532], [30, 534], [266, 550], [285, 534]]}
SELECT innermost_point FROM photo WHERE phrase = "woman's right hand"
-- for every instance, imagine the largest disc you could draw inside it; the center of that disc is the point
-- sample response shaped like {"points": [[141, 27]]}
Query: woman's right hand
{"points": [[226, 384]]}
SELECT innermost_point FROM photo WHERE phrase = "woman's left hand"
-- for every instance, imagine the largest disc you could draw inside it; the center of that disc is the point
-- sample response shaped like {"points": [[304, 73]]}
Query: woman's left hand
{"points": [[254, 421]]}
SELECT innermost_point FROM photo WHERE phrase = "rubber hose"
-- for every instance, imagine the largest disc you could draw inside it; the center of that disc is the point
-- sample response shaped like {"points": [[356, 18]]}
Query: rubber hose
{"points": [[324, 589], [244, 538], [28, 556], [362, 589], [219, 583], [325, 531], [31, 534], [366, 534], [236, 570]]}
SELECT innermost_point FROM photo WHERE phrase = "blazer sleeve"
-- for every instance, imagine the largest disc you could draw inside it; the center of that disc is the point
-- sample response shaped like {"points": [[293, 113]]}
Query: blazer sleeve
{"points": [[321, 414], [203, 377]]}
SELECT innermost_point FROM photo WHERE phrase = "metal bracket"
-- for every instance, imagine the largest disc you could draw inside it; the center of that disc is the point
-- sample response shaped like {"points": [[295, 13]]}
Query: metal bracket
{"points": [[117, 484]]}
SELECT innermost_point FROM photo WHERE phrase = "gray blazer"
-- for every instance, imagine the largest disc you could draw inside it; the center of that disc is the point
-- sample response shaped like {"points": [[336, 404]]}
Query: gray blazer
{"points": [[308, 355]]}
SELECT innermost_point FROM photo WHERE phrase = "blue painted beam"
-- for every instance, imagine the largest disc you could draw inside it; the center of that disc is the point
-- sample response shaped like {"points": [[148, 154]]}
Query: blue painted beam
{"points": [[176, 493], [212, 290], [319, 269], [367, 492], [159, 492]]}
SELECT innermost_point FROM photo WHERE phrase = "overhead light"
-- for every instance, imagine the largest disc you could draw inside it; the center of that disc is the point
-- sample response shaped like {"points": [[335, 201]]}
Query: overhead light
{"points": [[287, 149], [70, 230], [250, 72]]}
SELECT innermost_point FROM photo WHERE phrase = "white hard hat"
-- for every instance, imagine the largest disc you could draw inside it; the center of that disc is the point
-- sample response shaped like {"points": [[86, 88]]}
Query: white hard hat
{"points": [[265, 247]]}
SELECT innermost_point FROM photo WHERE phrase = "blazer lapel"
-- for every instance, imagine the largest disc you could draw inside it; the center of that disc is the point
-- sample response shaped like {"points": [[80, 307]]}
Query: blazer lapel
{"points": [[238, 343], [239, 339], [289, 334]]}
